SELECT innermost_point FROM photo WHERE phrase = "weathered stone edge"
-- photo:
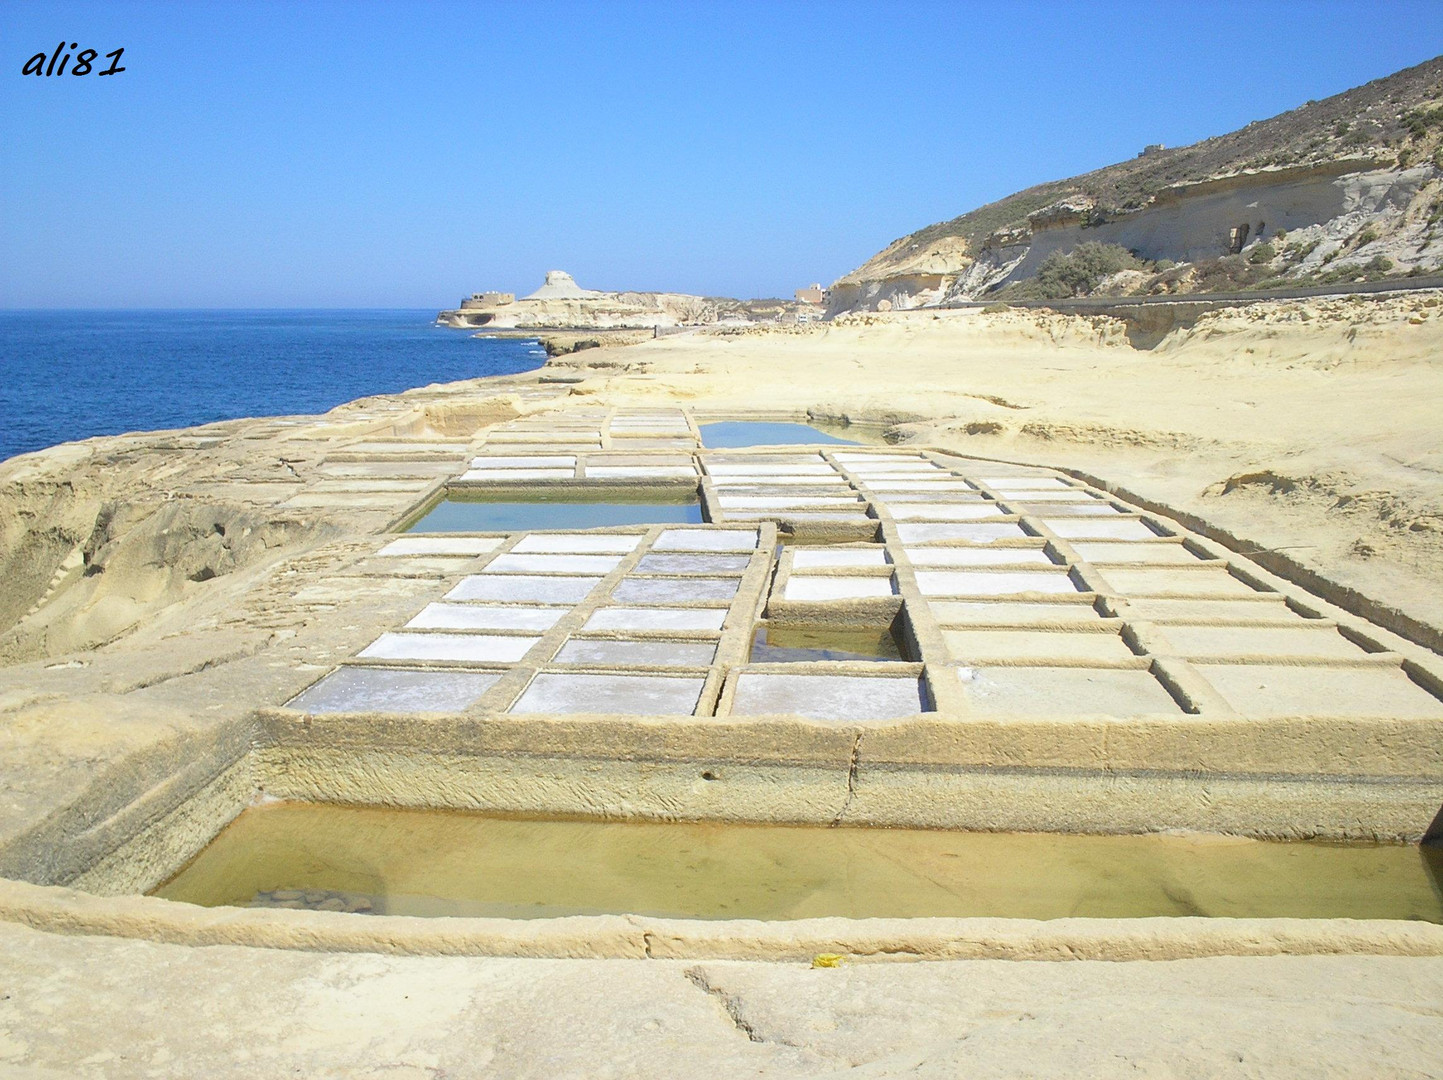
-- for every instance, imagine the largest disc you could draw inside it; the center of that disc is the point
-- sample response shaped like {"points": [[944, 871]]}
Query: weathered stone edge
{"points": [[66, 911]]}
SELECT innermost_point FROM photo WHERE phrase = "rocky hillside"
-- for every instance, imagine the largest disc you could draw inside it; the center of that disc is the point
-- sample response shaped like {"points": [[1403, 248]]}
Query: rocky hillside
{"points": [[1345, 188]]}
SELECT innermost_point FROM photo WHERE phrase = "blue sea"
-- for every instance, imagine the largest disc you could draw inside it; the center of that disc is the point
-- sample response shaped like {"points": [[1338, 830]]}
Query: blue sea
{"points": [[73, 374]]}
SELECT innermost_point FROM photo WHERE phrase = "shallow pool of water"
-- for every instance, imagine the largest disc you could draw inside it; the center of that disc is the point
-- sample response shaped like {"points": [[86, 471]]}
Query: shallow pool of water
{"points": [[427, 862], [733, 434], [454, 514], [789, 644]]}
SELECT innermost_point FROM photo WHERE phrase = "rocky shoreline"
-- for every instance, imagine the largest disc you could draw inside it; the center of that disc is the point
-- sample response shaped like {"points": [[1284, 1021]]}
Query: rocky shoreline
{"points": [[169, 592]]}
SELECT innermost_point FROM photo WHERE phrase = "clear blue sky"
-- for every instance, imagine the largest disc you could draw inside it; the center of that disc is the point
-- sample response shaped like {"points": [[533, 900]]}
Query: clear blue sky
{"points": [[402, 154]]}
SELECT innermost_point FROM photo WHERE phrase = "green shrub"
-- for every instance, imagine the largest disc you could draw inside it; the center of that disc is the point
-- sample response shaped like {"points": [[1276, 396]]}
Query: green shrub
{"points": [[1280, 235], [1262, 253], [1296, 253], [1378, 264], [1367, 236], [996, 309], [1079, 271], [1277, 281], [1418, 121]]}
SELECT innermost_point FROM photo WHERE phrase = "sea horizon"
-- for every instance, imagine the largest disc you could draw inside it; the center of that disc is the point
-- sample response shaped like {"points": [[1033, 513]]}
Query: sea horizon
{"points": [[120, 370]]}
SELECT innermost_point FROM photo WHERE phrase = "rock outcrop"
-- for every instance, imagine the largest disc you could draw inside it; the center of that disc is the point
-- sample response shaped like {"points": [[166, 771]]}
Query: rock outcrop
{"points": [[563, 304], [560, 285]]}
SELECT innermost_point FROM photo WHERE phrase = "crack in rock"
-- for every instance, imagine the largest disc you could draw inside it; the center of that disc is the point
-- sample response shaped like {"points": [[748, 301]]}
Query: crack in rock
{"points": [[852, 768], [730, 1004]]}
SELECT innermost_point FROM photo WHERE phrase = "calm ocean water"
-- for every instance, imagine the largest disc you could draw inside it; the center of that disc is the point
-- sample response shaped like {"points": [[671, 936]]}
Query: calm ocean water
{"points": [[73, 374]]}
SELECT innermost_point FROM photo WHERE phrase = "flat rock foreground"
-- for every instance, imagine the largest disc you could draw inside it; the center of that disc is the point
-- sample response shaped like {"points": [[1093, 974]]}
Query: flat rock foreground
{"points": [[1175, 577]]}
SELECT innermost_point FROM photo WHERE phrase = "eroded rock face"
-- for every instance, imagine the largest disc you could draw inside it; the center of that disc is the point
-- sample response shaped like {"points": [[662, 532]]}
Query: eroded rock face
{"points": [[1355, 182], [1329, 221], [139, 557]]}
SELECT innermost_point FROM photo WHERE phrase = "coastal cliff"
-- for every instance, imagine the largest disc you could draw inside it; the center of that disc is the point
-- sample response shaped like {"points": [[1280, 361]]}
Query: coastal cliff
{"points": [[1340, 190]]}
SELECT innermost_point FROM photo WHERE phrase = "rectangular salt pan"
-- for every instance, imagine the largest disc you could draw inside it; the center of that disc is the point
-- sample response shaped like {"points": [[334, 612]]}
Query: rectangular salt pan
{"points": [[1071, 495], [474, 648], [1090, 508], [537, 590], [823, 516], [943, 511], [640, 618], [1090, 529], [1205, 581], [552, 564], [631, 695], [440, 545], [949, 498], [1024, 483], [516, 474], [970, 556], [574, 544], [499, 462], [836, 588], [603, 472], [839, 556], [979, 646], [827, 697], [798, 469], [767, 502], [780, 483], [980, 533], [648, 653], [907, 472], [1268, 690], [674, 590], [1001, 613], [660, 563], [1284, 642], [934, 487], [631, 461], [706, 540], [1257, 606], [443, 616], [358, 689], [1064, 691], [1141, 552], [997, 583]]}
